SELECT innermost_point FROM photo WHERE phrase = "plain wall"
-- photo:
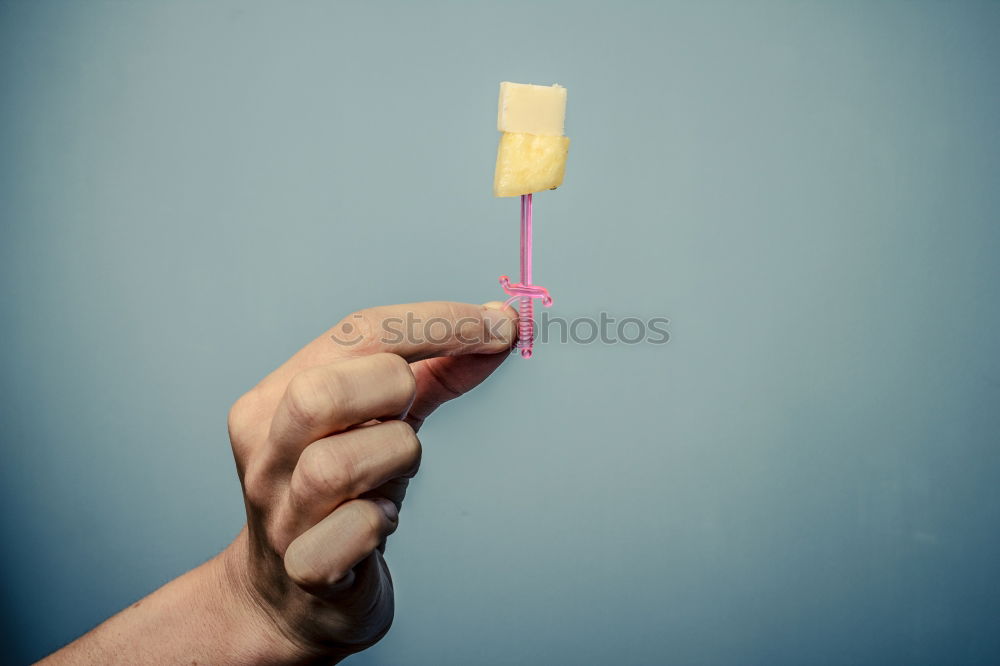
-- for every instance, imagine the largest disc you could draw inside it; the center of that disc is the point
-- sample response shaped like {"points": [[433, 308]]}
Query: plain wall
{"points": [[806, 473]]}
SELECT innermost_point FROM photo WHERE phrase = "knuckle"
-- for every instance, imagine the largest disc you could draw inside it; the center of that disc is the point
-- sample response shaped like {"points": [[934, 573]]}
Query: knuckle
{"points": [[242, 415], [361, 325], [409, 444], [304, 399], [453, 317], [372, 523], [408, 381], [400, 374], [322, 472]]}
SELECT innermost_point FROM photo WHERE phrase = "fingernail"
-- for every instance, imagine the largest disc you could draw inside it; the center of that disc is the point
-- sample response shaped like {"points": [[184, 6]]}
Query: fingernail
{"points": [[499, 320], [388, 508]]}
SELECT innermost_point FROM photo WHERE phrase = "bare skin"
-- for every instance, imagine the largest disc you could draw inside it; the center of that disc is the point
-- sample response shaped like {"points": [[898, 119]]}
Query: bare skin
{"points": [[324, 447]]}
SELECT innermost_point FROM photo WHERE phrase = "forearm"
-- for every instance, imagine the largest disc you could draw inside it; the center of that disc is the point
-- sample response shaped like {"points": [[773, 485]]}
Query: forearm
{"points": [[202, 617]]}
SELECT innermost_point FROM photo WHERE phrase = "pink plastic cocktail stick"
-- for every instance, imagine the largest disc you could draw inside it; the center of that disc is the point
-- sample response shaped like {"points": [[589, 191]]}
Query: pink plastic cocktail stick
{"points": [[524, 292]]}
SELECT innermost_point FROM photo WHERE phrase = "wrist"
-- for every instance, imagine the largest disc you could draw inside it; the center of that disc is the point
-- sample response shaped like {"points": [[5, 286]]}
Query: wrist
{"points": [[263, 636]]}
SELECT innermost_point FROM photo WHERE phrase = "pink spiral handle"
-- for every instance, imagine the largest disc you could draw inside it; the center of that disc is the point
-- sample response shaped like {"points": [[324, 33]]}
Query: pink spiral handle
{"points": [[518, 290], [524, 292]]}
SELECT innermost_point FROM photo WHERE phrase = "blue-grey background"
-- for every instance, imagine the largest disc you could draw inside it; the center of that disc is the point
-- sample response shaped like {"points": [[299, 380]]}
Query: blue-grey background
{"points": [[806, 473]]}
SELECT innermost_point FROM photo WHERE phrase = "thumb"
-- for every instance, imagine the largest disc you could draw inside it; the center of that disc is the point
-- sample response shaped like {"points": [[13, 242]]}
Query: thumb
{"points": [[445, 378]]}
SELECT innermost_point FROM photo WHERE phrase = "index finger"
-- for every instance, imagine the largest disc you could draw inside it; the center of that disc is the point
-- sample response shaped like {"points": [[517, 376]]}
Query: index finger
{"points": [[414, 331], [423, 330]]}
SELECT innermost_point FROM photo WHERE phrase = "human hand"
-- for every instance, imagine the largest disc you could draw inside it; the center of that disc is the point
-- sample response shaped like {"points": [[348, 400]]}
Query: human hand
{"points": [[324, 447]]}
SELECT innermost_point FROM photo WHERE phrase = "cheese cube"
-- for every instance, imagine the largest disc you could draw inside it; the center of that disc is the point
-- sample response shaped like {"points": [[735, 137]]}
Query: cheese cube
{"points": [[531, 109]]}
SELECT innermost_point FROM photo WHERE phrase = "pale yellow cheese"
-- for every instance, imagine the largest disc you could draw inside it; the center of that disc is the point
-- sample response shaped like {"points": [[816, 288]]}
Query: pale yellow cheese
{"points": [[531, 109], [529, 163]]}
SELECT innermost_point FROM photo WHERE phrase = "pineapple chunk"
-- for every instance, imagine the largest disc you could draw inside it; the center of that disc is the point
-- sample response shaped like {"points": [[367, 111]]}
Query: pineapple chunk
{"points": [[529, 163]]}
